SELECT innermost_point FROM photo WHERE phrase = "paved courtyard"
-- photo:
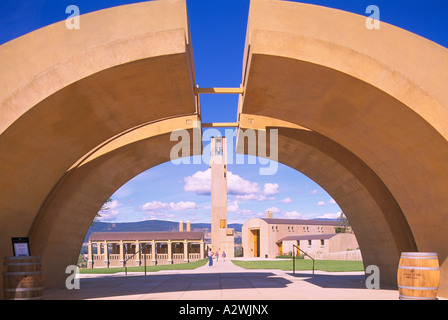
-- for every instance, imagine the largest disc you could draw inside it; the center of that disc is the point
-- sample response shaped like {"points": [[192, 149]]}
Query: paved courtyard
{"points": [[224, 281]]}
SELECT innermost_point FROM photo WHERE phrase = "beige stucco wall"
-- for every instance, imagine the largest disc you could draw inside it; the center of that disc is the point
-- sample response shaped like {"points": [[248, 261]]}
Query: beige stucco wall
{"points": [[78, 114], [362, 90], [271, 233]]}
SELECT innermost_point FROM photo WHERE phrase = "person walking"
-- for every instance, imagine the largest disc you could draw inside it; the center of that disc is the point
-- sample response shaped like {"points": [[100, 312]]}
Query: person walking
{"points": [[217, 255], [224, 256], [210, 258]]}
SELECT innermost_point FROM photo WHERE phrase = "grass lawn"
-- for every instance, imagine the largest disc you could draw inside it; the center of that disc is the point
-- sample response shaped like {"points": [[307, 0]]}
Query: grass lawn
{"points": [[303, 264], [179, 266]]}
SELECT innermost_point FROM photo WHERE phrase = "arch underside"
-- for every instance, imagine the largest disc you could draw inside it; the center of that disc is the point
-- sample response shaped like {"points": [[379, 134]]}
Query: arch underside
{"points": [[362, 91], [71, 102], [82, 117]]}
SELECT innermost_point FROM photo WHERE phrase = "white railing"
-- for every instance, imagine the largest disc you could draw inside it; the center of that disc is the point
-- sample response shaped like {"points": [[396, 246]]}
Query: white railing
{"points": [[162, 256], [194, 256], [178, 256], [114, 256]]}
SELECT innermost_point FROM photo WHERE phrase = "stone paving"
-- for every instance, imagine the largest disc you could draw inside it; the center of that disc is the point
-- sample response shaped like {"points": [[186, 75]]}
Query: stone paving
{"points": [[223, 281]]}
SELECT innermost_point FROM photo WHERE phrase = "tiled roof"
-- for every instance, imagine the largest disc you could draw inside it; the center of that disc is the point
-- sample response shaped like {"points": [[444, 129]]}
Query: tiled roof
{"points": [[301, 222], [145, 236], [308, 237]]}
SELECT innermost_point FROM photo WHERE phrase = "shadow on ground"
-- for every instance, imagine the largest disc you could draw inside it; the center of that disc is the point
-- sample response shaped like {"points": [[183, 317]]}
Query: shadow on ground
{"points": [[122, 285], [337, 281]]}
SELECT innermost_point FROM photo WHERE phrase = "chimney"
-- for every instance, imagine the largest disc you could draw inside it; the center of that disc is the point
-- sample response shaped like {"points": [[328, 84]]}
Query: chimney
{"points": [[188, 226], [269, 215], [181, 226]]}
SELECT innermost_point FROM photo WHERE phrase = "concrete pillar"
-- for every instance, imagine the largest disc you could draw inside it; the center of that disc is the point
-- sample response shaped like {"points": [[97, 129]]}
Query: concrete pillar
{"points": [[181, 226], [138, 253], [186, 251], [89, 255], [121, 252], [153, 252], [188, 226], [106, 254], [170, 252], [202, 249]]}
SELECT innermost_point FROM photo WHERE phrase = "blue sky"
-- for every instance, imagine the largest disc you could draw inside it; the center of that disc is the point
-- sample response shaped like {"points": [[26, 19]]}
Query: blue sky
{"points": [[174, 192]]}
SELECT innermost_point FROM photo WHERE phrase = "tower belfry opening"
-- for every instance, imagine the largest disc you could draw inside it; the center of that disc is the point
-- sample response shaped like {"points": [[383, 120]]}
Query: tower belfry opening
{"points": [[222, 237]]}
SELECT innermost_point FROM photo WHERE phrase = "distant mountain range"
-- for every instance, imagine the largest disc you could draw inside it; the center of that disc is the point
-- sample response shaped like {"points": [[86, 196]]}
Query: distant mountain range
{"points": [[152, 225]]}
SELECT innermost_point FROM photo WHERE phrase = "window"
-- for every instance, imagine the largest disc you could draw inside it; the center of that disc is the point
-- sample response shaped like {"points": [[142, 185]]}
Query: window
{"points": [[218, 147], [309, 243], [223, 223], [322, 242]]}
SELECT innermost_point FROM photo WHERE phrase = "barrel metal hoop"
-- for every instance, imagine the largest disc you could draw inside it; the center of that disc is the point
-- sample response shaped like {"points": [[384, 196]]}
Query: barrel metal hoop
{"points": [[31, 298], [417, 268], [402, 297], [23, 289], [24, 273], [419, 254], [23, 264], [420, 258], [418, 288]]}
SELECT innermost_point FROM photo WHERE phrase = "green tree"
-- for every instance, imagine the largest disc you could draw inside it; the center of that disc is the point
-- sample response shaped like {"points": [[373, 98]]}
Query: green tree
{"points": [[343, 225], [104, 208]]}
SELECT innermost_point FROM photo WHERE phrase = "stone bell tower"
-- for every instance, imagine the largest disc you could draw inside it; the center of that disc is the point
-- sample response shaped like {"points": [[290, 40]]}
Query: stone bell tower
{"points": [[222, 237]]}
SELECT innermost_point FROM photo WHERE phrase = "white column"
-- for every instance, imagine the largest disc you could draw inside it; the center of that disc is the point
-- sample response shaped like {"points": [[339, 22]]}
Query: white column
{"points": [[170, 252], [186, 251], [90, 255]]}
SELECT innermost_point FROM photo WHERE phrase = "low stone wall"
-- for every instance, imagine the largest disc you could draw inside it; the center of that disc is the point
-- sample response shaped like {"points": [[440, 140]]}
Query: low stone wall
{"points": [[354, 255]]}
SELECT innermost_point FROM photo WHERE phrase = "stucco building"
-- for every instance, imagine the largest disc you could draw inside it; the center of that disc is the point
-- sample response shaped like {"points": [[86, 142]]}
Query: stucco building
{"points": [[113, 249], [269, 237]]}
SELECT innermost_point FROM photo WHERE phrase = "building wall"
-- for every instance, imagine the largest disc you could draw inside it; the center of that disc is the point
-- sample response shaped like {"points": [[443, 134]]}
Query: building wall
{"points": [[269, 234]]}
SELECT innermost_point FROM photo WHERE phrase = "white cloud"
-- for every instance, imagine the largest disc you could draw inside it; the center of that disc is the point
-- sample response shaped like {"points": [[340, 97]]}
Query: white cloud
{"points": [[332, 201], [293, 215], [157, 205], [109, 215], [109, 211], [286, 200], [321, 203], [200, 182], [273, 209], [270, 189], [329, 215], [239, 186], [253, 196], [314, 192], [233, 207]]}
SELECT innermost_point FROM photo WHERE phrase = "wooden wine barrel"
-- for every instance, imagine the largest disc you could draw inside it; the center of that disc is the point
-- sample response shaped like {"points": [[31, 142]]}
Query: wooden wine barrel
{"points": [[22, 278], [418, 276]]}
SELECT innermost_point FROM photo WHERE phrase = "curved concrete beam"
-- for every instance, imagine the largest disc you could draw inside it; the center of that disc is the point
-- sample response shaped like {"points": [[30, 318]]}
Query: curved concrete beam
{"points": [[363, 197], [364, 90], [65, 92], [85, 188]]}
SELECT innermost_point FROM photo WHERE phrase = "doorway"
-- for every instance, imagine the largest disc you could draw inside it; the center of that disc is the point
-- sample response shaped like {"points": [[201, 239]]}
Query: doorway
{"points": [[255, 242]]}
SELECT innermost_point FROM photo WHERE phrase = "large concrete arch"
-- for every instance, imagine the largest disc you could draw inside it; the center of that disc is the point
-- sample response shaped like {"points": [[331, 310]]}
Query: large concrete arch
{"points": [[84, 189], [79, 103], [377, 93], [69, 94], [362, 196]]}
